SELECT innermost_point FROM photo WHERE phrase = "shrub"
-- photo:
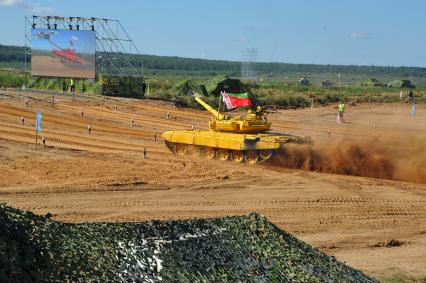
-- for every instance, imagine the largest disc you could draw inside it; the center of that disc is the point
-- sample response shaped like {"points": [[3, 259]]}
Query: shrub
{"points": [[12, 80]]}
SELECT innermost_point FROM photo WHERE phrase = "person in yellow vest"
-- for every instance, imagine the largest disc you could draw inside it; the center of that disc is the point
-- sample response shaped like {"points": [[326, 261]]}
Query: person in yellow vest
{"points": [[72, 85], [341, 111]]}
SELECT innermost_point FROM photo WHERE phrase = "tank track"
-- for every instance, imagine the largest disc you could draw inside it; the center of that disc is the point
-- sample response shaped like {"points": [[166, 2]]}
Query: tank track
{"points": [[238, 156]]}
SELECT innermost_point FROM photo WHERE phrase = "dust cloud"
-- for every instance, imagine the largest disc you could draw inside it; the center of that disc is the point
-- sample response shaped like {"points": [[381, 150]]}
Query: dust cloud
{"points": [[358, 158]]}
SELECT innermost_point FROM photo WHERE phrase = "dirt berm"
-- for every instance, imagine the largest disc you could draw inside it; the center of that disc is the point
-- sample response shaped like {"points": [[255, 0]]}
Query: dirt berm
{"points": [[230, 249]]}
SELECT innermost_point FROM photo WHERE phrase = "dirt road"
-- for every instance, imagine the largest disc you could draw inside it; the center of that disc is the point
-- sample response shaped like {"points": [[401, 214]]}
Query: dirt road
{"points": [[104, 177]]}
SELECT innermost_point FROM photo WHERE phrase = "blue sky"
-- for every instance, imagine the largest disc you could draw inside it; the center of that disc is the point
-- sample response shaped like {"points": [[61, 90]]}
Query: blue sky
{"points": [[375, 32]]}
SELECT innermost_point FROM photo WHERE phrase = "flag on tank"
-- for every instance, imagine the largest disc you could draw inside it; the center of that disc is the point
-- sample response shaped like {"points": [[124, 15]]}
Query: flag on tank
{"points": [[234, 100]]}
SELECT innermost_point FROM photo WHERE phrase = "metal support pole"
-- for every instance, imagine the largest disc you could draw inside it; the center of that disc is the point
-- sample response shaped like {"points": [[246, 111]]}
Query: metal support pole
{"points": [[25, 48]]}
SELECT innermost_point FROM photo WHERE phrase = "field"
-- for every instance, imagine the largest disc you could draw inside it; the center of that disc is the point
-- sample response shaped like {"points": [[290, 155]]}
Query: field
{"points": [[375, 224], [50, 66]]}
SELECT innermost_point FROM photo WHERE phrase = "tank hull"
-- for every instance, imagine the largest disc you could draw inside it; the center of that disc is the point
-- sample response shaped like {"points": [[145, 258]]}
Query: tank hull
{"points": [[251, 147], [230, 140]]}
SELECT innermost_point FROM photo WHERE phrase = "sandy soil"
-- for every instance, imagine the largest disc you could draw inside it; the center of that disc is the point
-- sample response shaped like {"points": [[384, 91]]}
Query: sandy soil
{"points": [[104, 177], [52, 66]]}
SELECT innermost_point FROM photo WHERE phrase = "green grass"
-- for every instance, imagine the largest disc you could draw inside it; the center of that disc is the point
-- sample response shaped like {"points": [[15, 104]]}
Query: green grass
{"points": [[12, 79], [401, 278]]}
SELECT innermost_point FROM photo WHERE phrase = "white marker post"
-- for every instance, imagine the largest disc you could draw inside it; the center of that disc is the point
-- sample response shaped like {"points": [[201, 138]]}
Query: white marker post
{"points": [[413, 110]]}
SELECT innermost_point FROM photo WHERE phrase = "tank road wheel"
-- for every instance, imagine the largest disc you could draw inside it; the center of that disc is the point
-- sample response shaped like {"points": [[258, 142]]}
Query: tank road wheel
{"points": [[252, 157], [208, 152], [197, 151], [237, 156], [265, 154], [180, 149], [222, 154]]}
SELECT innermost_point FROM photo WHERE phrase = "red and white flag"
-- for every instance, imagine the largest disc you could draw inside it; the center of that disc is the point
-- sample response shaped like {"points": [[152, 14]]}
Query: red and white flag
{"points": [[234, 100]]}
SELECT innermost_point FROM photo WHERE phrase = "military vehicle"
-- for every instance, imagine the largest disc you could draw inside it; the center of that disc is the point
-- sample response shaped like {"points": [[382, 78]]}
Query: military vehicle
{"points": [[242, 138]]}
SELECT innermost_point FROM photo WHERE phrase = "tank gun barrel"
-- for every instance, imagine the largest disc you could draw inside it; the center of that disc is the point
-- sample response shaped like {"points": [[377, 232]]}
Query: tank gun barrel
{"points": [[216, 114]]}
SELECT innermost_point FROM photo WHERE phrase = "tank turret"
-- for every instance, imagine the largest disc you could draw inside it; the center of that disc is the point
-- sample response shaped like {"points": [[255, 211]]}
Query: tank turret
{"points": [[252, 122]]}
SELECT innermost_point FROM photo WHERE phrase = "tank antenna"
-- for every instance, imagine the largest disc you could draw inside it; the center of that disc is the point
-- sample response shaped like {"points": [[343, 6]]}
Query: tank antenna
{"points": [[218, 110]]}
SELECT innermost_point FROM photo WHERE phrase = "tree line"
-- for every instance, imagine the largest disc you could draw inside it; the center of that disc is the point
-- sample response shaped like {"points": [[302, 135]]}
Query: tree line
{"points": [[153, 63]]}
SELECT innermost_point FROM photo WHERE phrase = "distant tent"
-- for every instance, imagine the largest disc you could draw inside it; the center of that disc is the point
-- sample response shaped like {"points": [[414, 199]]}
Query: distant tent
{"points": [[189, 88], [304, 81], [372, 82], [402, 84], [326, 83], [218, 84]]}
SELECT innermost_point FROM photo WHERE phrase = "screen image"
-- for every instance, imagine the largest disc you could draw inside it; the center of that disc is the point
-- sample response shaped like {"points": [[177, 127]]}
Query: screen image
{"points": [[63, 53]]}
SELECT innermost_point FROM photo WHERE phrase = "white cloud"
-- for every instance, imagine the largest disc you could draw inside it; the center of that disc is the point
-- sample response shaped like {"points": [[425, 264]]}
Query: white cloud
{"points": [[360, 34], [9, 2], [244, 40], [38, 8], [32, 7]]}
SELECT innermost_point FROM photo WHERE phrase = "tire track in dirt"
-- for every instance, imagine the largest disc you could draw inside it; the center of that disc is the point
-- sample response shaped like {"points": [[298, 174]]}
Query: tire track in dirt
{"points": [[78, 123], [144, 117], [72, 141], [101, 139]]}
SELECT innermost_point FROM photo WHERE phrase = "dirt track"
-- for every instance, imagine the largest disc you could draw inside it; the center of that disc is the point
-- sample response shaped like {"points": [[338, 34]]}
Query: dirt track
{"points": [[103, 176], [51, 66]]}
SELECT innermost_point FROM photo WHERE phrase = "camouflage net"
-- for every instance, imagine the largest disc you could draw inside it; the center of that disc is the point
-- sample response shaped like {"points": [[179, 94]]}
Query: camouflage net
{"points": [[230, 249]]}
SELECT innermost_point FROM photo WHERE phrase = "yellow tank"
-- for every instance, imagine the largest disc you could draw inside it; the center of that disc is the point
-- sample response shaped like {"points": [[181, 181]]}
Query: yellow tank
{"points": [[242, 138]]}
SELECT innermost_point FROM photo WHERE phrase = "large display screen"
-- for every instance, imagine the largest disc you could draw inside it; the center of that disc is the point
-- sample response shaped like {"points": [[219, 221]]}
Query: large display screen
{"points": [[63, 53]]}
